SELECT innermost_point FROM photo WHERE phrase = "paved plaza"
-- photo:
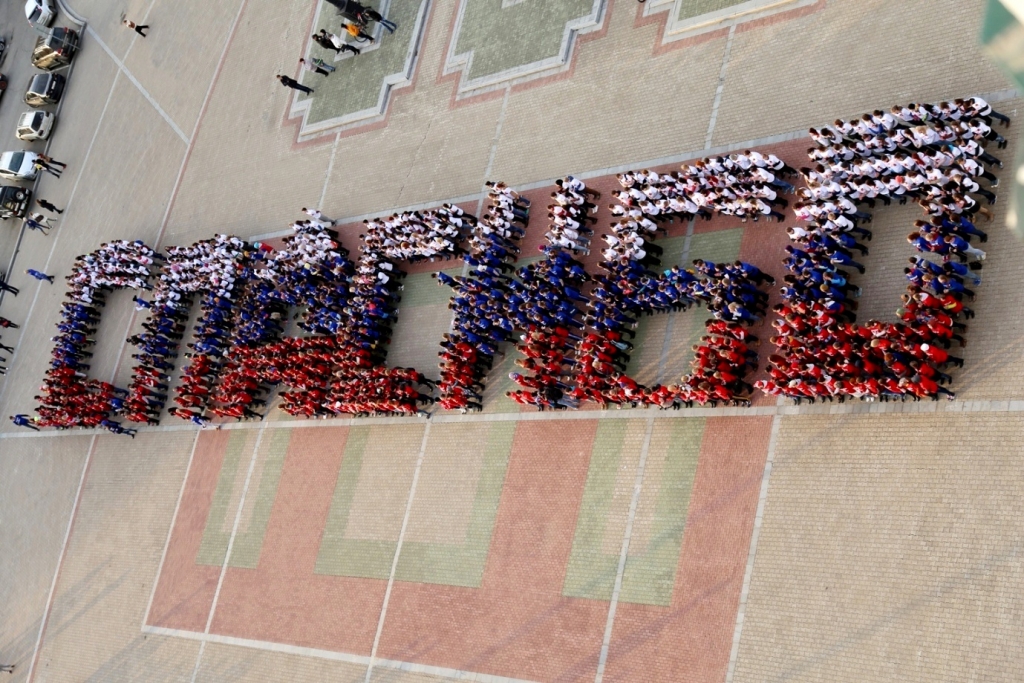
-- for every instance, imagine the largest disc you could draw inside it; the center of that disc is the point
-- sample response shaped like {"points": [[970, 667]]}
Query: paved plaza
{"points": [[854, 542]]}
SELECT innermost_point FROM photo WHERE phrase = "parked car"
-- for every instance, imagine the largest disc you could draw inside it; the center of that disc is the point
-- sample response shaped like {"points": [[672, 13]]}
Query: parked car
{"points": [[40, 12], [35, 125], [44, 89], [14, 201], [18, 165], [56, 49]]}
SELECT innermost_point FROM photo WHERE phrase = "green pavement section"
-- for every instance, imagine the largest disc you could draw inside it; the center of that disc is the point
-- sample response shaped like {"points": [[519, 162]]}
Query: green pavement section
{"points": [[659, 522], [592, 565], [653, 556], [504, 38], [423, 290], [445, 564], [463, 565], [259, 500], [356, 84], [340, 556], [689, 9]]}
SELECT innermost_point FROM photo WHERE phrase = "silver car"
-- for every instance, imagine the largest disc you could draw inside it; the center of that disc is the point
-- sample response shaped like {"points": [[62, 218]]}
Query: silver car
{"points": [[40, 12], [18, 165]]}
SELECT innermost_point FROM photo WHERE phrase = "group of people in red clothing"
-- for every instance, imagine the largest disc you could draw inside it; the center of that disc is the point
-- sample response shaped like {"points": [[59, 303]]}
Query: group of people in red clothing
{"points": [[933, 154]]}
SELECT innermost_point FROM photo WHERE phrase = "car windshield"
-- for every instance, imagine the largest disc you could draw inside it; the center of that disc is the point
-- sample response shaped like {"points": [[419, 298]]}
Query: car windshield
{"points": [[34, 17], [16, 160], [37, 120]]}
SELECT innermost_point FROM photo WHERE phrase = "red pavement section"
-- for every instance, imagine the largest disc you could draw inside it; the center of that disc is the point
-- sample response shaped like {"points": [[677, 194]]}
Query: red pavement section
{"points": [[282, 600], [691, 640], [517, 624], [185, 590]]}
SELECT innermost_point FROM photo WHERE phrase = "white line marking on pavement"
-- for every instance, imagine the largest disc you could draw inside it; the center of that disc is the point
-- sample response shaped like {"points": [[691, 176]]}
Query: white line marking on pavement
{"points": [[624, 553], [787, 410], [398, 550], [719, 89], [497, 135], [145, 93], [60, 561], [362, 660], [330, 170], [135, 35], [231, 545], [170, 529], [758, 518]]}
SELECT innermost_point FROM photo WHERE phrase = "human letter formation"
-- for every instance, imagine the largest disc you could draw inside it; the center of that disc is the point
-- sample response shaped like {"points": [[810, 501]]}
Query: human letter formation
{"points": [[571, 328]]}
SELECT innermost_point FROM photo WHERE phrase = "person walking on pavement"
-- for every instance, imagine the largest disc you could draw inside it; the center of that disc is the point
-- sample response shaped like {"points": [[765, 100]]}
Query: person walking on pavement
{"points": [[7, 668], [5, 323], [312, 65], [49, 207], [13, 290], [40, 166], [294, 84], [39, 276], [50, 160], [329, 41], [138, 28], [41, 219], [24, 421], [6, 348], [33, 224]]}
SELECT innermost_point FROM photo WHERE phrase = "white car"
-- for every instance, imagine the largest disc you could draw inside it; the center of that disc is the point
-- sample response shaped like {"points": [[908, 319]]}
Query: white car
{"points": [[40, 12], [35, 125], [18, 165]]}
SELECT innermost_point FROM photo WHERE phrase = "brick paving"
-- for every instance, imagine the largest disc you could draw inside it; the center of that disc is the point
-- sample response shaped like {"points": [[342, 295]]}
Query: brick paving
{"points": [[887, 545]]}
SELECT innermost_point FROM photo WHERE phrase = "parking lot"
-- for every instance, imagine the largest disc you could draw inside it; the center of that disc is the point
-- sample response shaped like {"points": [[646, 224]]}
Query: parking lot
{"points": [[17, 67]]}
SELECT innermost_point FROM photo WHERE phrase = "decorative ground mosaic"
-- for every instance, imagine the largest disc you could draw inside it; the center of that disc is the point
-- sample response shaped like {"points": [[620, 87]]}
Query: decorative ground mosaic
{"points": [[497, 47], [361, 86], [688, 18]]}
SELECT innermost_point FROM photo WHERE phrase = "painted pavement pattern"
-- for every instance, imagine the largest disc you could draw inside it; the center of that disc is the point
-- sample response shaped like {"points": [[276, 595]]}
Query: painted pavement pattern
{"points": [[610, 546]]}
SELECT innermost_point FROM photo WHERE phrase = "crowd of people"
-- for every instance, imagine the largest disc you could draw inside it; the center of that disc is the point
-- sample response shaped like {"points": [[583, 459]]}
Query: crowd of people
{"points": [[745, 185], [632, 286], [572, 328], [351, 307], [210, 269], [571, 356], [418, 235], [69, 398], [481, 299], [932, 154]]}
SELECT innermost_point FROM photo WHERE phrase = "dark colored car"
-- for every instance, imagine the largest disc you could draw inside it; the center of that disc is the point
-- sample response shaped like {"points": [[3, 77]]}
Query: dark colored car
{"points": [[14, 201], [44, 89]]}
